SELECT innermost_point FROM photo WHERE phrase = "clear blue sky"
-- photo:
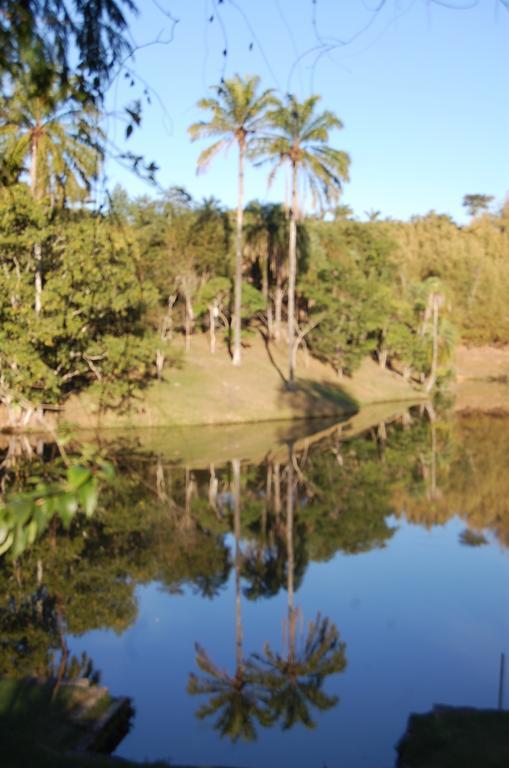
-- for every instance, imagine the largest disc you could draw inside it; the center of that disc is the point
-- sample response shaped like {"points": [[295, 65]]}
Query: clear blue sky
{"points": [[423, 94]]}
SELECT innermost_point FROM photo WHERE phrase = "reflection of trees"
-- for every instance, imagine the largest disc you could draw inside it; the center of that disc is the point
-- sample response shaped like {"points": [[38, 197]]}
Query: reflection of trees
{"points": [[460, 470], [159, 522], [288, 684], [269, 687], [74, 581], [266, 555], [231, 697]]}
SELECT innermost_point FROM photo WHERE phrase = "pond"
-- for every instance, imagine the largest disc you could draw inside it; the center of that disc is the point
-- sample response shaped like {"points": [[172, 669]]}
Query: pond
{"points": [[273, 596]]}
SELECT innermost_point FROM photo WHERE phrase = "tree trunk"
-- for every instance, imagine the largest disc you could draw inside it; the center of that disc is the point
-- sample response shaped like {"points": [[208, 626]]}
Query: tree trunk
{"points": [[212, 323], [238, 563], [264, 269], [434, 360], [38, 278], [292, 276], [266, 293], [189, 321], [238, 262], [37, 246], [278, 303]]}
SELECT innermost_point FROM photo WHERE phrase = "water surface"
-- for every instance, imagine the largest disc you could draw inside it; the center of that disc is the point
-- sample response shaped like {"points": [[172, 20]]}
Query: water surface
{"points": [[285, 607]]}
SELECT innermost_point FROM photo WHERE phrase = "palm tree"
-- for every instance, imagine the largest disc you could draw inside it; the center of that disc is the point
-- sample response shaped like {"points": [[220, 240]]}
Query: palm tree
{"points": [[238, 112], [299, 137], [57, 141]]}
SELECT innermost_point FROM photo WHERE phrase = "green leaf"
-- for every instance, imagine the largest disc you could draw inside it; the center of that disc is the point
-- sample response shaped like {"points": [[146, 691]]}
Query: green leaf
{"points": [[77, 476], [20, 541], [31, 531], [108, 470], [88, 497], [6, 543], [66, 506]]}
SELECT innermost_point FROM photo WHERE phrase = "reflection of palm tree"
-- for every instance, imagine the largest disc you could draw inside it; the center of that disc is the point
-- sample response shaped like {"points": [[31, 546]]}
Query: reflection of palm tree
{"points": [[288, 684], [231, 697]]}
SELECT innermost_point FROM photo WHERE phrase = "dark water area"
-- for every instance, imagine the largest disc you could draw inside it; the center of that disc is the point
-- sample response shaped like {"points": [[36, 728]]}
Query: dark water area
{"points": [[288, 606]]}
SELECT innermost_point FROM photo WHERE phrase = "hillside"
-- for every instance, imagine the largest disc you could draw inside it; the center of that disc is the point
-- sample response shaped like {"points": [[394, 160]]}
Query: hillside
{"points": [[207, 389]]}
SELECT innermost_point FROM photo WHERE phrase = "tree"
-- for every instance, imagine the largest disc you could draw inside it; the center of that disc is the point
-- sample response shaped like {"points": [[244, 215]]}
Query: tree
{"points": [[53, 137], [57, 141], [266, 235], [300, 138], [476, 203], [238, 112], [93, 329], [84, 41]]}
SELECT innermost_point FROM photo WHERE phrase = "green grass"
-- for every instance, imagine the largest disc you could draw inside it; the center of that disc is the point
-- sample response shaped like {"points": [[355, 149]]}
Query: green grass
{"points": [[208, 389]]}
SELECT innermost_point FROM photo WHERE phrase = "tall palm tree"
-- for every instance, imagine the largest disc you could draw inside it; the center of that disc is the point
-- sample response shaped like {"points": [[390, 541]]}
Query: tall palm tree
{"points": [[300, 138], [238, 112], [57, 141]]}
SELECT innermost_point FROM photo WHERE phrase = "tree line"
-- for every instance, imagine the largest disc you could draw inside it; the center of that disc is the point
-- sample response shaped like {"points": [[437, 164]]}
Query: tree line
{"points": [[98, 296]]}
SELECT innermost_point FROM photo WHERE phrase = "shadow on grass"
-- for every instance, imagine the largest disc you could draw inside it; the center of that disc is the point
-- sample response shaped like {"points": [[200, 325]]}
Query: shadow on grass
{"points": [[317, 399]]}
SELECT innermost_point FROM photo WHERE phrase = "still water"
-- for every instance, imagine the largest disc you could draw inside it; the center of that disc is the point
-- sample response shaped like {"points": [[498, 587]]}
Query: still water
{"points": [[278, 598]]}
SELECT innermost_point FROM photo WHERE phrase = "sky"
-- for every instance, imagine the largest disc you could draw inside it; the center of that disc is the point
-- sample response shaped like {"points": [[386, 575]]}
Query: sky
{"points": [[422, 91]]}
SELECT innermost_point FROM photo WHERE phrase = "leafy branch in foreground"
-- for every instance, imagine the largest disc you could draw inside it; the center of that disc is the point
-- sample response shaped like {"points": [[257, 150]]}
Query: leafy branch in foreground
{"points": [[25, 516]]}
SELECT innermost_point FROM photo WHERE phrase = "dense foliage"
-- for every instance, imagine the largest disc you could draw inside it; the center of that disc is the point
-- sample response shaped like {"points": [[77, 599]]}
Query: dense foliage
{"points": [[92, 325], [119, 286]]}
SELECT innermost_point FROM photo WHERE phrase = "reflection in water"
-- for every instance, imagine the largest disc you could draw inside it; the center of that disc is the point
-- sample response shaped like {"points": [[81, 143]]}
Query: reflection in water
{"points": [[290, 683], [169, 524], [270, 687], [231, 698]]}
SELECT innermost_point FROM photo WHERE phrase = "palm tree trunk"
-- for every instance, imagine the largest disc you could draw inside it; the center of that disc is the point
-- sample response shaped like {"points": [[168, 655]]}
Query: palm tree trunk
{"points": [[290, 559], [37, 246], [265, 291], [238, 261], [278, 301], [292, 276], [38, 278], [238, 562]]}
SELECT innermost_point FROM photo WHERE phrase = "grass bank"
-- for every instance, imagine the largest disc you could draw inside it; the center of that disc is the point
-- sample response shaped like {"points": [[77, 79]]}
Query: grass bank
{"points": [[481, 379], [208, 389]]}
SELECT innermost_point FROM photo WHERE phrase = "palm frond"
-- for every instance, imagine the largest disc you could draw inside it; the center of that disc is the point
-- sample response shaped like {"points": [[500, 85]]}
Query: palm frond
{"points": [[208, 154]]}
